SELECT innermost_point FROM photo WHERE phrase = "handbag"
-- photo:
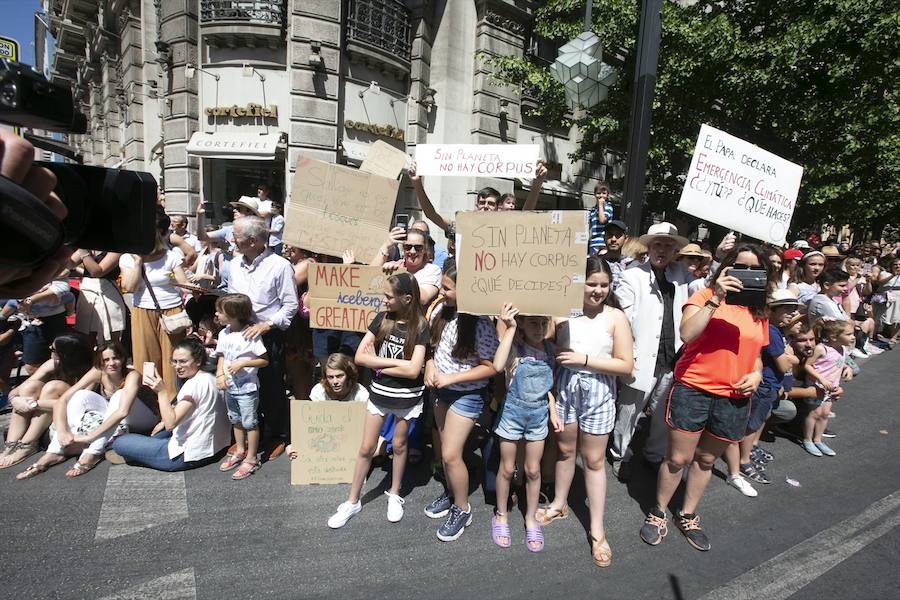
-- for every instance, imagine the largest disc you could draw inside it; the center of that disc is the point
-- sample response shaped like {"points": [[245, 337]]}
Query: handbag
{"points": [[171, 324]]}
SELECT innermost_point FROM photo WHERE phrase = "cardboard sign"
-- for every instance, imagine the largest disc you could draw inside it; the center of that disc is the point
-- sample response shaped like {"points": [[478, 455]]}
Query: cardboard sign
{"points": [[536, 260], [335, 208], [326, 436], [344, 297], [385, 160], [507, 161], [741, 186]]}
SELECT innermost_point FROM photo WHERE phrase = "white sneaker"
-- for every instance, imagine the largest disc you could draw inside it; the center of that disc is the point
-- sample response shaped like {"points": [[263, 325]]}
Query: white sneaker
{"points": [[857, 353], [344, 513], [395, 507], [872, 349], [742, 485]]}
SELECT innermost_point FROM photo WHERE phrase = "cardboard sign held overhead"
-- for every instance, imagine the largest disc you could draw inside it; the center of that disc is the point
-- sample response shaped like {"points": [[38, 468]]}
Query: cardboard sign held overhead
{"points": [[738, 185], [488, 160], [326, 436], [344, 297], [384, 160], [334, 208], [535, 260]]}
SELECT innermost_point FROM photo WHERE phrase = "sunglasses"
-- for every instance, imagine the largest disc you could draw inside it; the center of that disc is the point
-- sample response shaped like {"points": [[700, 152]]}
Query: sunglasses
{"points": [[416, 247]]}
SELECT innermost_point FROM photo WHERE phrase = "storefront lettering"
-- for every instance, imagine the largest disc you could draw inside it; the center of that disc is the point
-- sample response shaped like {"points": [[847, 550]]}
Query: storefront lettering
{"points": [[251, 110], [381, 130]]}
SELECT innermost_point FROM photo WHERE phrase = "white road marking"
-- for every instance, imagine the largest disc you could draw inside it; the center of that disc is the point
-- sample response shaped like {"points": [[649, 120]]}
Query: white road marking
{"points": [[136, 499], [787, 573], [180, 585]]}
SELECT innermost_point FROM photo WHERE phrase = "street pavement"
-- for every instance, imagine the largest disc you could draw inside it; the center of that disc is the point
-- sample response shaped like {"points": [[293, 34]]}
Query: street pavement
{"points": [[126, 532]]}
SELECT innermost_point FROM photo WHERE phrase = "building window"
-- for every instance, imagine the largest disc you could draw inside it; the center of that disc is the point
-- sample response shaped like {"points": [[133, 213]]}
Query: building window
{"points": [[259, 11], [381, 23]]}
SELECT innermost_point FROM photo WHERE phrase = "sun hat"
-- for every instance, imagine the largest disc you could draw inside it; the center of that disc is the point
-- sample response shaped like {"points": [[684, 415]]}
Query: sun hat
{"points": [[783, 298], [691, 250], [663, 230], [247, 202], [832, 252], [793, 254]]}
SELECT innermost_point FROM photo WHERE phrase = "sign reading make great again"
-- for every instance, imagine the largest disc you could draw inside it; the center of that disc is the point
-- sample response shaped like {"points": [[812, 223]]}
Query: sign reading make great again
{"points": [[251, 110]]}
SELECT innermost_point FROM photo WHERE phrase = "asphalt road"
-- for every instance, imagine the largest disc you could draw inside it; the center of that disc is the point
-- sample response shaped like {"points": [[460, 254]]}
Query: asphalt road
{"points": [[125, 532]]}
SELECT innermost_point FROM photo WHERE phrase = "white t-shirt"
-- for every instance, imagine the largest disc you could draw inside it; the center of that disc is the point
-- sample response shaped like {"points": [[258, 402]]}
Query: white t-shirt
{"points": [[159, 273], [204, 430], [430, 274], [232, 346], [360, 394]]}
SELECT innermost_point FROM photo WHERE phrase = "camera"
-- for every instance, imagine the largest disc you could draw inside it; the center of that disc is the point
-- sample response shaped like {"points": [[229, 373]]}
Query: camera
{"points": [[108, 209], [755, 287]]}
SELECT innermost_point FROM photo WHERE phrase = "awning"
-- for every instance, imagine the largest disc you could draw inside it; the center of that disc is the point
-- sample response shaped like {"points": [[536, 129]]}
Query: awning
{"points": [[235, 145]]}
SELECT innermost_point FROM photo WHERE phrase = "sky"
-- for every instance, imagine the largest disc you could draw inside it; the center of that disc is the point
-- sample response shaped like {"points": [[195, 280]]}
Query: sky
{"points": [[18, 23]]}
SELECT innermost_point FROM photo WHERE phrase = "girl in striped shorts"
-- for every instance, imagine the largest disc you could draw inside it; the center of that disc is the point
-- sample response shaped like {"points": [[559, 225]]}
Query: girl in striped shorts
{"points": [[594, 349]]}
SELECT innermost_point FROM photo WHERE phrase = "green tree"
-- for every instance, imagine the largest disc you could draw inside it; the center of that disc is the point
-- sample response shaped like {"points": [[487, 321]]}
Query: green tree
{"points": [[814, 81]]}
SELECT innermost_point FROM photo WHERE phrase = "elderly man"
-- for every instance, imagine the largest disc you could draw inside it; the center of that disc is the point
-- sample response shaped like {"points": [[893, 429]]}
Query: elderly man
{"points": [[651, 294], [268, 279]]}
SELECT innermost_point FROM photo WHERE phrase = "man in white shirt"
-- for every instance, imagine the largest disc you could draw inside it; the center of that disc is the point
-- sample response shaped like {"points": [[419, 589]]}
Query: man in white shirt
{"points": [[268, 280], [180, 227]]}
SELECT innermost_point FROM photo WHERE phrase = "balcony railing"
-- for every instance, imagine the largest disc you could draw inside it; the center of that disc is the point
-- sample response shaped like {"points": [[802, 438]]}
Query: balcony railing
{"points": [[383, 24], [254, 11]]}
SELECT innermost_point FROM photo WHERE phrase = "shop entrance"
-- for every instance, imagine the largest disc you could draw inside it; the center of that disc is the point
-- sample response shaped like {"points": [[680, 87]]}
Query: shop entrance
{"points": [[226, 180]]}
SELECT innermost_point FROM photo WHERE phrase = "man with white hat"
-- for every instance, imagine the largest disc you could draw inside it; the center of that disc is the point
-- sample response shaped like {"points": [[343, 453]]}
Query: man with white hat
{"points": [[651, 294], [245, 206]]}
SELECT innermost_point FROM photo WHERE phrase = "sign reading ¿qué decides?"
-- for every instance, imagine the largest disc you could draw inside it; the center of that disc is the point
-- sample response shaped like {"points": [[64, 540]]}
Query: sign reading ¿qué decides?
{"points": [[738, 185], [535, 260], [507, 161]]}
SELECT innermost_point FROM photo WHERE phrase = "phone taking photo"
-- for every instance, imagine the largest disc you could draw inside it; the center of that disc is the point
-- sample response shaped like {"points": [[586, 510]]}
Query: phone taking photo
{"points": [[402, 220], [149, 370]]}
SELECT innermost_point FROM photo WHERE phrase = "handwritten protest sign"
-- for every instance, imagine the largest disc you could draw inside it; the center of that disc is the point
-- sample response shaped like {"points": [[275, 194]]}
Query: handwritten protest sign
{"points": [[535, 260], [334, 208], [326, 436], [741, 186], [385, 160], [490, 160], [344, 297]]}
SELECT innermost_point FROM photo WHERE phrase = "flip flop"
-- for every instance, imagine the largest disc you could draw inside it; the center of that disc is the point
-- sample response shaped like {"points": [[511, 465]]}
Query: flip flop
{"points": [[33, 470], [80, 468], [601, 552], [543, 514], [499, 530], [534, 535]]}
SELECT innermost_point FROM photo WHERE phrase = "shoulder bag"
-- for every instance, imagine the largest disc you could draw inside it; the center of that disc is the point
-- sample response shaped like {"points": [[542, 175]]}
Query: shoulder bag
{"points": [[171, 324]]}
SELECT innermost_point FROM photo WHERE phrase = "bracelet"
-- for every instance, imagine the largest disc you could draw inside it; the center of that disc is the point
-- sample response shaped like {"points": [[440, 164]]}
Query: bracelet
{"points": [[714, 305]]}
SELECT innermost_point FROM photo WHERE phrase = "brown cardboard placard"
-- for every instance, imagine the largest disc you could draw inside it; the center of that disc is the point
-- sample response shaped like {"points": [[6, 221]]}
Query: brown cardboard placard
{"points": [[536, 260], [334, 208], [344, 297], [326, 436], [384, 159]]}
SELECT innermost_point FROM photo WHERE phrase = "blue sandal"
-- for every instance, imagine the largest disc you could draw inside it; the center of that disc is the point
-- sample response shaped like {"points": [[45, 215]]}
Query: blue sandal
{"points": [[535, 535]]}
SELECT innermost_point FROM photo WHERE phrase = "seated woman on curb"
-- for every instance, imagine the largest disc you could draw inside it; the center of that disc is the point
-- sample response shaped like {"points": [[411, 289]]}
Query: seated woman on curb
{"points": [[106, 402], [193, 429], [33, 400]]}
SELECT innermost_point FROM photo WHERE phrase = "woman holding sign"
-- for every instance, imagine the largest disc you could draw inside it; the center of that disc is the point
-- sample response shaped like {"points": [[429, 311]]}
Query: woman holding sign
{"points": [[394, 348], [416, 260]]}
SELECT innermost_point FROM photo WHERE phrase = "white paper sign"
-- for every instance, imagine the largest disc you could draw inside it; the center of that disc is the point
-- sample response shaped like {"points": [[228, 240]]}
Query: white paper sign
{"points": [[738, 185], [507, 161]]}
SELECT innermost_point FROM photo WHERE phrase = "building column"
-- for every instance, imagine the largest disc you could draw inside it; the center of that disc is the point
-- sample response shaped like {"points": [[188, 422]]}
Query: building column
{"points": [[130, 90]]}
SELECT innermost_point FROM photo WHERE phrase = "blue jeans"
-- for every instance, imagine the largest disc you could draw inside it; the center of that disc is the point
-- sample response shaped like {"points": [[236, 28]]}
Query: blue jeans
{"points": [[153, 452], [465, 403]]}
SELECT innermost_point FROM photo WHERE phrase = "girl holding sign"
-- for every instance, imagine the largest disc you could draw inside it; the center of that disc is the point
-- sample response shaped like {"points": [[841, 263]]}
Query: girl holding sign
{"points": [[594, 349], [394, 348]]}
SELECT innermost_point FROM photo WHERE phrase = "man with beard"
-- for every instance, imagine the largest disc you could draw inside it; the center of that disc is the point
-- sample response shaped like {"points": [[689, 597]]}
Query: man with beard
{"points": [[616, 236]]}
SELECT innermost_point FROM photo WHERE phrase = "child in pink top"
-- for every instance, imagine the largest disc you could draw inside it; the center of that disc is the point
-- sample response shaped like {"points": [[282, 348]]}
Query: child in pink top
{"points": [[825, 369]]}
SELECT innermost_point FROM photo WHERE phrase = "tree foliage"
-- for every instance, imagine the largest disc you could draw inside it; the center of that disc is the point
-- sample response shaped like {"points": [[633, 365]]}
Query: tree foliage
{"points": [[814, 81]]}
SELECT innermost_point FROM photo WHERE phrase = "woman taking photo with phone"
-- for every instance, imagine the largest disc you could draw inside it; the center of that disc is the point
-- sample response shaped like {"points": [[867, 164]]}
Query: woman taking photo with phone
{"points": [[416, 259], [709, 405]]}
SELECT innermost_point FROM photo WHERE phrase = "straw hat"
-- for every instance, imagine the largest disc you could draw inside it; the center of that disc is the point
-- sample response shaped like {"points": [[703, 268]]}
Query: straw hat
{"points": [[247, 202], [663, 230], [783, 298], [831, 252], [691, 250]]}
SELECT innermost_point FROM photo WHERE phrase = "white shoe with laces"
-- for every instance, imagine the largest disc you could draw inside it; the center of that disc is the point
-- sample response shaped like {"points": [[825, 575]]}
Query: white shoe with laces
{"points": [[872, 349], [395, 507], [742, 485], [344, 513]]}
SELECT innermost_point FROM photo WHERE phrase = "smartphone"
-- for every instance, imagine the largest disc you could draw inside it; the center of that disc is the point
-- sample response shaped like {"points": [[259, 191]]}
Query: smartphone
{"points": [[402, 220], [149, 369], [753, 293]]}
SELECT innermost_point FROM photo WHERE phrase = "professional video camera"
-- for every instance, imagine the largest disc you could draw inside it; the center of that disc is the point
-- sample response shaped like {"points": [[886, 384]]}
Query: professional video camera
{"points": [[109, 209]]}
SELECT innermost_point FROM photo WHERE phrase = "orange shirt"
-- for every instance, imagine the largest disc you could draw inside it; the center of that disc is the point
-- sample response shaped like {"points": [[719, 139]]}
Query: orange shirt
{"points": [[725, 351]]}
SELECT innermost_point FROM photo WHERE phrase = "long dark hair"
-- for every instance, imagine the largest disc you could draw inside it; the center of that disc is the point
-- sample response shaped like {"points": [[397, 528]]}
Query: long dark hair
{"points": [[762, 254], [403, 284], [75, 357], [598, 264], [465, 325], [118, 351]]}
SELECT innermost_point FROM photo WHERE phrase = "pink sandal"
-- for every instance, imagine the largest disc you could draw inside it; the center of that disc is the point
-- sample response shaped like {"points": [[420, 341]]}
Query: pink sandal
{"points": [[232, 460], [246, 469]]}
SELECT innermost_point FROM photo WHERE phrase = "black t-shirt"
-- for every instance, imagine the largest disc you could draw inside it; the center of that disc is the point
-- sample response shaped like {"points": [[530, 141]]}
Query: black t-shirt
{"points": [[396, 392]]}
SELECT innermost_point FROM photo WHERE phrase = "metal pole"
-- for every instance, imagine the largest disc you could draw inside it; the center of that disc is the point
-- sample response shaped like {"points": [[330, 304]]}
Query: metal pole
{"points": [[649, 32], [587, 15]]}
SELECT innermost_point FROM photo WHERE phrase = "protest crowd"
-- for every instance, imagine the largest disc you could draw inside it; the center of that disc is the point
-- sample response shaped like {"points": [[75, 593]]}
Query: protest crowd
{"points": [[190, 356]]}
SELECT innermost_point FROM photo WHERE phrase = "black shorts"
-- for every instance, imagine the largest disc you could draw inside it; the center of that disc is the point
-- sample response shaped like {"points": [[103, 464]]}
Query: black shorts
{"points": [[329, 341], [695, 411]]}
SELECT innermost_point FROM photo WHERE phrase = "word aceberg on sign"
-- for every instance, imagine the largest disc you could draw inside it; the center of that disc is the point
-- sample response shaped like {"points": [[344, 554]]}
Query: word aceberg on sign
{"points": [[489, 160]]}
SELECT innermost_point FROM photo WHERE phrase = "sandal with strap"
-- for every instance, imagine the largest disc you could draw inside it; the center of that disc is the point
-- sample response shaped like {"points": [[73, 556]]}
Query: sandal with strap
{"points": [[30, 447], [232, 460], [33, 470], [80, 468], [601, 552], [247, 468], [547, 514], [534, 535], [500, 530]]}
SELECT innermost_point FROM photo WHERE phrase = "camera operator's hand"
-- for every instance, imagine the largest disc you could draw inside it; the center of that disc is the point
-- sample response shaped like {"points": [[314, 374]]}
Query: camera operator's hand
{"points": [[16, 158]]}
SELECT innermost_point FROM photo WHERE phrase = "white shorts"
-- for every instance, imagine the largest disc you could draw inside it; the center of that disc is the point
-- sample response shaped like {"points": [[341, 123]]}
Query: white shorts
{"points": [[589, 399], [401, 413]]}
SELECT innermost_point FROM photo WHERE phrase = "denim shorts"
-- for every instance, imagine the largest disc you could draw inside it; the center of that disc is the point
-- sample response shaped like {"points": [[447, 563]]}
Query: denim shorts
{"points": [[760, 407], [518, 419], [695, 411], [242, 409], [465, 403]]}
